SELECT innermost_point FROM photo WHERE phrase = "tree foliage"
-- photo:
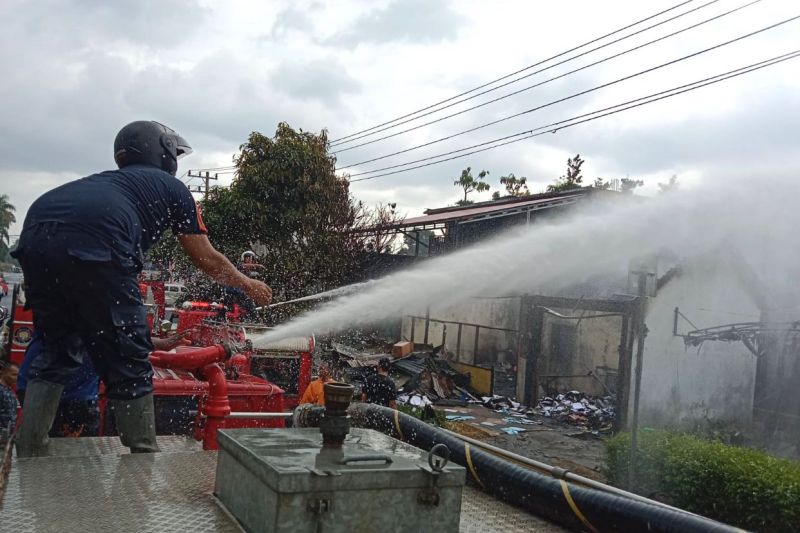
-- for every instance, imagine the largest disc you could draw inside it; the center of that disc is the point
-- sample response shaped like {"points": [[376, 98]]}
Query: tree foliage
{"points": [[627, 185], [382, 217], [7, 217], [670, 186], [467, 182], [515, 186], [573, 179], [288, 204], [600, 183]]}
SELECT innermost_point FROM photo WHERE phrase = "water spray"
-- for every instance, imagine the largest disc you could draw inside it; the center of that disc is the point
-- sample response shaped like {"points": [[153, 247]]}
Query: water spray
{"points": [[755, 216], [340, 291]]}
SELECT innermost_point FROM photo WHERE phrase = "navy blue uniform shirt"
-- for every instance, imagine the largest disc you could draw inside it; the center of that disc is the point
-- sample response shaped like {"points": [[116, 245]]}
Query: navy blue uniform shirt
{"points": [[116, 215]]}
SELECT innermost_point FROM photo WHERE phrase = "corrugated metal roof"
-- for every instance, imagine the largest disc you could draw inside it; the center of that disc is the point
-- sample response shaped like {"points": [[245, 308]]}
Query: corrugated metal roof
{"points": [[464, 215]]}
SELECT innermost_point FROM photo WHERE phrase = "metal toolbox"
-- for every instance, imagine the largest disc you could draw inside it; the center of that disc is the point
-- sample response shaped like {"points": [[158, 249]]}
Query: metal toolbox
{"points": [[285, 480]]}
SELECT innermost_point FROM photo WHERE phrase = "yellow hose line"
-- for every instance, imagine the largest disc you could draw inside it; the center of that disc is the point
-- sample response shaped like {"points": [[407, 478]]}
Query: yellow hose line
{"points": [[397, 425], [472, 467], [574, 507]]}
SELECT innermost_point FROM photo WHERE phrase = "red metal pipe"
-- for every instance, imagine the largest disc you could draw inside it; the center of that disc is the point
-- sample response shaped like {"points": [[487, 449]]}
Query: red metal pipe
{"points": [[190, 359], [240, 362], [217, 407]]}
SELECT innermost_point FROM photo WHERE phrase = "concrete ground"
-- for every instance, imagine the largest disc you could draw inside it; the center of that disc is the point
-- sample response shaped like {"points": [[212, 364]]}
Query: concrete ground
{"points": [[548, 441]]}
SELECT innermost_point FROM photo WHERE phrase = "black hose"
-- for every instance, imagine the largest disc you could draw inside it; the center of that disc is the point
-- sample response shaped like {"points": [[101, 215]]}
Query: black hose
{"points": [[577, 508]]}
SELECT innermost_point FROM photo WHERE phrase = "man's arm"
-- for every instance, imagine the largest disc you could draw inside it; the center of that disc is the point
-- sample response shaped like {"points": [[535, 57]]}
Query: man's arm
{"points": [[217, 266], [168, 343]]}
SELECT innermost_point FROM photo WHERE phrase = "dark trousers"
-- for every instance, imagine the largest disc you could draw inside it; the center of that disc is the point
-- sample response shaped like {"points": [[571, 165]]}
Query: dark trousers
{"points": [[76, 418], [78, 302]]}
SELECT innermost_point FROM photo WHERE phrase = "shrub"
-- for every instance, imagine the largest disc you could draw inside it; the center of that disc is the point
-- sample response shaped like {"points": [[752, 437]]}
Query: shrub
{"points": [[739, 486]]}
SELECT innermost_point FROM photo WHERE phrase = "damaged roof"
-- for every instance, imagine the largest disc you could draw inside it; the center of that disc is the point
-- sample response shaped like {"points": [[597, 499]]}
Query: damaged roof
{"points": [[440, 217]]}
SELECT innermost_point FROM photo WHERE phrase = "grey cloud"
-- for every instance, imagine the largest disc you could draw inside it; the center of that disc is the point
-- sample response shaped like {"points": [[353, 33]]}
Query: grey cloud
{"points": [[147, 23], [738, 142], [720, 144], [416, 21], [323, 80], [291, 19]]}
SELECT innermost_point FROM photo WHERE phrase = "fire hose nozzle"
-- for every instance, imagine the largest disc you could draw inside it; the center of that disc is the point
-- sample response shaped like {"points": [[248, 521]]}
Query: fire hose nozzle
{"points": [[229, 351]]}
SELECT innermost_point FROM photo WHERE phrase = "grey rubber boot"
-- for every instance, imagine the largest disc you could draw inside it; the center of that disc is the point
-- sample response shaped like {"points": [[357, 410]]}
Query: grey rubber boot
{"points": [[136, 423], [39, 411]]}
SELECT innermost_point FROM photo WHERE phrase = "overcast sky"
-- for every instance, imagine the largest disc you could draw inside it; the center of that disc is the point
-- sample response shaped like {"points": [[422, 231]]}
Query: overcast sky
{"points": [[75, 71]]}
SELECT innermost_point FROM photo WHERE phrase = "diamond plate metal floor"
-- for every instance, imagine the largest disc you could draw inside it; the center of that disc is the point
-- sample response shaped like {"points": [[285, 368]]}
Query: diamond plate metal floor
{"points": [[121, 493], [93, 485], [480, 513], [86, 446]]}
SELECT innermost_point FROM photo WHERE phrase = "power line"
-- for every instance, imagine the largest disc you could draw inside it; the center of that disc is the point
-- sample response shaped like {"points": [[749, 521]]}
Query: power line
{"points": [[567, 60], [517, 71], [551, 125], [211, 169], [206, 187], [199, 171], [614, 56], [600, 113]]}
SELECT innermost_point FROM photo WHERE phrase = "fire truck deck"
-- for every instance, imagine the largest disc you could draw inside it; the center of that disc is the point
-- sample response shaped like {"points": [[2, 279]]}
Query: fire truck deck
{"points": [[94, 484]]}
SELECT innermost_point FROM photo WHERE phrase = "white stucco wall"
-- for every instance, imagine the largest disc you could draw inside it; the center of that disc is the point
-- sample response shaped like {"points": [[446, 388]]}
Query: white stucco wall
{"points": [[497, 312], [596, 351], [682, 386]]}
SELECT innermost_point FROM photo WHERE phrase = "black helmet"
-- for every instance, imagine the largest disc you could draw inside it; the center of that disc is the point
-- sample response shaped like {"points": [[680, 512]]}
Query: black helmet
{"points": [[150, 143]]}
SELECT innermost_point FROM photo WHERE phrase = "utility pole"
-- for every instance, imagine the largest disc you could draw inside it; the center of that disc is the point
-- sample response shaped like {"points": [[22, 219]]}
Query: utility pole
{"points": [[206, 182], [641, 333]]}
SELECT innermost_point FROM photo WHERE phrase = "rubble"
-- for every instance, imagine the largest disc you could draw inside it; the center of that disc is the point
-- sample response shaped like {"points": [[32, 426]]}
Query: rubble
{"points": [[424, 379], [579, 409], [432, 378]]}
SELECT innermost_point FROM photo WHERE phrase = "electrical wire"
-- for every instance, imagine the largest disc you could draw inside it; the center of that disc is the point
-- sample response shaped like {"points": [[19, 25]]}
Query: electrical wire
{"points": [[600, 113], [556, 65], [527, 111], [212, 168], [517, 71], [440, 119]]}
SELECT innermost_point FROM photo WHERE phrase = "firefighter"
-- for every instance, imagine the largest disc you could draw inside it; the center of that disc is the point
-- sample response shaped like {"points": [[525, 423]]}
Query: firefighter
{"points": [[248, 264], [379, 387], [81, 249], [78, 414], [249, 267], [315, 391]]}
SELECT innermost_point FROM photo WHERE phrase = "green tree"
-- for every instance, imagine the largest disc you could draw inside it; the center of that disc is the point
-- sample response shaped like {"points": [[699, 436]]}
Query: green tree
{"points": [[381, 219], [627, 185], [7, 217], [287, 202], [573, 179], [670, 186], [470, 184], [515, 186], [600, 183]]}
